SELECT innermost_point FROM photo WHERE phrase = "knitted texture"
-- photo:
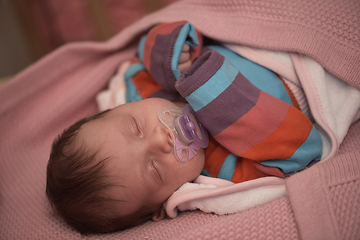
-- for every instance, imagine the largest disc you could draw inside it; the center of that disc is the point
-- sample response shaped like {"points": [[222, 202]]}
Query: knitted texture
{"points": [[274, 220], [344, 195], [352, 141], [53, 93], [344, 185], [310, 27], [332, 190], [167, 228]]}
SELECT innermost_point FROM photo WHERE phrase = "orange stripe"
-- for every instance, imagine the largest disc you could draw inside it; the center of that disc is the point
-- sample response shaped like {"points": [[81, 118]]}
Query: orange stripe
{"points": [[145, 84], [244, 171], [215, 155], [164, 28], [292, 97], [285, 140]]}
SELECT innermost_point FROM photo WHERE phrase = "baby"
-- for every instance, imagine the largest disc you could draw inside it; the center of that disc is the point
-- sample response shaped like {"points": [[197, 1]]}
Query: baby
{"points": [[115, 170]]}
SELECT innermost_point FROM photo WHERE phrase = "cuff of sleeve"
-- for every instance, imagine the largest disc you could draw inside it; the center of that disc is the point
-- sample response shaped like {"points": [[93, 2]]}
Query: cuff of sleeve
{"points": [[162, 47], [199, 72]]}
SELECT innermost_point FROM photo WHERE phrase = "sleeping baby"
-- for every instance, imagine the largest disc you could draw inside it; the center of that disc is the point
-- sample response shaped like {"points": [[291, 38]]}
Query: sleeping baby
{"points": [[191, 109]]}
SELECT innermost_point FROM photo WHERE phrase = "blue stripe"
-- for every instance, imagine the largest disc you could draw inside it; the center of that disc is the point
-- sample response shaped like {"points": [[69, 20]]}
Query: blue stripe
{"points": [[131, 91], [204, 172], [310, 150], [186, 31], [210, 90], [263, 78], [133, 69], [228, 167]]}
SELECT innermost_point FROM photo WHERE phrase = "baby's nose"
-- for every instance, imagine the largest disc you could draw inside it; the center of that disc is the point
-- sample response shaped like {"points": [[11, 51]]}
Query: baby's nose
{"points": [[162, 139]]}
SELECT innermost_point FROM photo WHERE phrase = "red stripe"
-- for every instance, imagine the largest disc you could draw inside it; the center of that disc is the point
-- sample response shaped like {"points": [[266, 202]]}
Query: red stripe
{"points": [[253, 127], [285, 140], [145, 84], [244, 171]]}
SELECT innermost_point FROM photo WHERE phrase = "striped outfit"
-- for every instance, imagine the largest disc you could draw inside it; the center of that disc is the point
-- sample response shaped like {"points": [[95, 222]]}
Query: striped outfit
{"points": [[255, 125]]}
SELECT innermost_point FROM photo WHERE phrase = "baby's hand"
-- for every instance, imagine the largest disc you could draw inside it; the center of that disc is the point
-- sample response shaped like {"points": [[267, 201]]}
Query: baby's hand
{"points": [[184, 61]]}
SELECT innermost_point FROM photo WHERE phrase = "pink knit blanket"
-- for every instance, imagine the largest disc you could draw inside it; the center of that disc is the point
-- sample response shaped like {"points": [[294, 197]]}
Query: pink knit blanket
{"points": [[41, 101]]}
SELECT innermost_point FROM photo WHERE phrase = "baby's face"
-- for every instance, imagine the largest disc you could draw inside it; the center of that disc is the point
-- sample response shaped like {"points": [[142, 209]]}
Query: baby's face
{"points": [[140, 152]]}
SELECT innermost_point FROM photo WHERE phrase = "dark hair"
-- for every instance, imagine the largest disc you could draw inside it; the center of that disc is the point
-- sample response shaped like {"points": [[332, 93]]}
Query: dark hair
{"points": [[76, 187]]}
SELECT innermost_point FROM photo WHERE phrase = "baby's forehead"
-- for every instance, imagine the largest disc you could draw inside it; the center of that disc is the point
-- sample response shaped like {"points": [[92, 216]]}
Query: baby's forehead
{"points": [[94, 128], [102, 135]]}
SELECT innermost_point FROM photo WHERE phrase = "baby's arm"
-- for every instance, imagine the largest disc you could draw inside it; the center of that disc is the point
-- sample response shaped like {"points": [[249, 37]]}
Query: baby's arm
{"points": [[163, 54], [168, 50], [246, 120]]}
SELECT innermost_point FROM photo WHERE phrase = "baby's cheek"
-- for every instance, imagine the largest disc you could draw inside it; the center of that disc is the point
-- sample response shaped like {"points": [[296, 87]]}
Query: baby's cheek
{"points": [[199, 162]]}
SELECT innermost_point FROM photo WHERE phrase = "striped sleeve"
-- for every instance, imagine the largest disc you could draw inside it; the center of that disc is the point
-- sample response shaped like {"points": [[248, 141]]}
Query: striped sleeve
{"points": [[160, 50], [221, 163], [247, 121], [154, 71]]}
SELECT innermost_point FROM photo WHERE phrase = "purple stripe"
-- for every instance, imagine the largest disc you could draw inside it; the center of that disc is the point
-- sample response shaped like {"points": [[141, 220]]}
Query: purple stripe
{"points": [[160, 59], [199, 72], [239, 98]]}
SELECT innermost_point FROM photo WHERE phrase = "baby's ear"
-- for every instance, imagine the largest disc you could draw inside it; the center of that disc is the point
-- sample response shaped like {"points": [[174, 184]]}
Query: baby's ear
{"points": [[160, 215]]}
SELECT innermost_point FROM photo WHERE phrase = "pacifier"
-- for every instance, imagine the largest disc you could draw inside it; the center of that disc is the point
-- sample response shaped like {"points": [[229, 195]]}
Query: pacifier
{"points": [[188, 133]]}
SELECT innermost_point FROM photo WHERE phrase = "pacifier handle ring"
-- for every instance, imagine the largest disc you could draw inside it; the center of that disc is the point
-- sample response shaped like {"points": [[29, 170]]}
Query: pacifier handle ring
{"points": [[190, 126]]}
